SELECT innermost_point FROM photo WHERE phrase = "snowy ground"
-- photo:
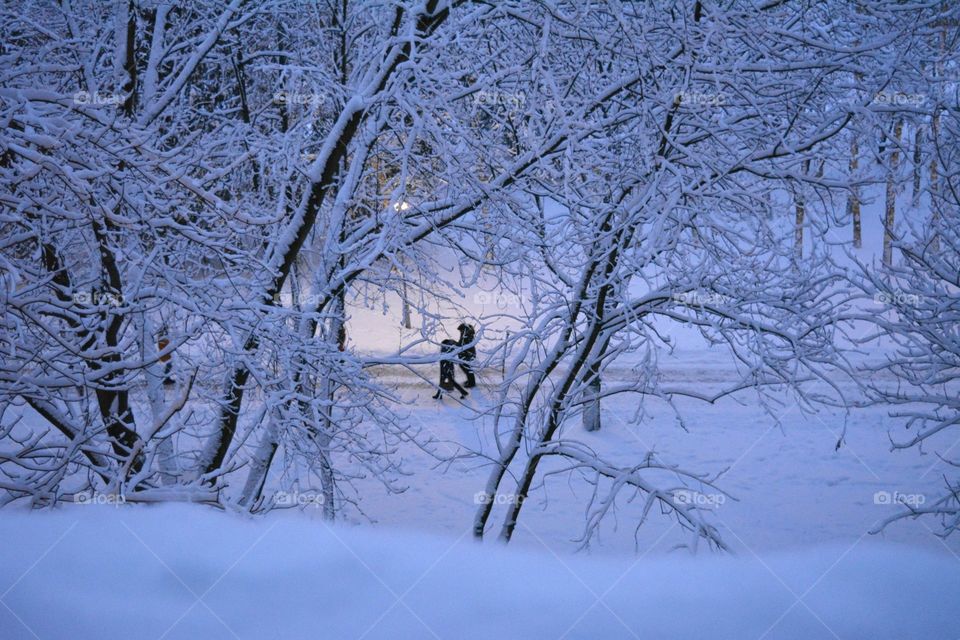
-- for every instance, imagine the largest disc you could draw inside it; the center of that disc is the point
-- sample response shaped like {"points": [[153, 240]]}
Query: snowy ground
{"points": [[803, 565], [181, 572], [789, 486]]}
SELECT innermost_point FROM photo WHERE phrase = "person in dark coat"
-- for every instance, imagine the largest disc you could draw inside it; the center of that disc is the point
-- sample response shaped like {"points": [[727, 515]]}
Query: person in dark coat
{"points": [[468, 355], [447, 380]]}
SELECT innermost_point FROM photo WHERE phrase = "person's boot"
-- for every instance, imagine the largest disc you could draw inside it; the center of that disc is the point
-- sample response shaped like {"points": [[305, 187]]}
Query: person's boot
{"points": [[438, 395]]}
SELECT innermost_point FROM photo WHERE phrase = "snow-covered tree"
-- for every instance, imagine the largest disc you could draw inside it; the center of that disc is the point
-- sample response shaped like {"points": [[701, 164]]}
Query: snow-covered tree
{"points": [[919, 300], [193, 195], [674, 214]]}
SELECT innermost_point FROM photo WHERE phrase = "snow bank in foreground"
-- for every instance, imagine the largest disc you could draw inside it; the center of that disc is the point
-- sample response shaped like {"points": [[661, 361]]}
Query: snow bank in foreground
{"points": [[190, 572]]}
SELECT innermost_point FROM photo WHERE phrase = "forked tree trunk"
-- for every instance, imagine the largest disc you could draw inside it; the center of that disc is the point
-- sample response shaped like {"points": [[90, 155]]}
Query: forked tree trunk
{"points": [[260, 468], [326, 427]]}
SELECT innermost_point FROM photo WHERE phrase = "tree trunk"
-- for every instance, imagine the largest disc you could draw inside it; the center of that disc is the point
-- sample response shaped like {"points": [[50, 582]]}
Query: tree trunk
{"points": [[406, 320], [891, 204], [155, 375], [800, 204], [853, 197], [259, 468], [130, 63], [917, 165], [935, 199], [591, 410], [324, 438], [593, 341], [125, 64]]}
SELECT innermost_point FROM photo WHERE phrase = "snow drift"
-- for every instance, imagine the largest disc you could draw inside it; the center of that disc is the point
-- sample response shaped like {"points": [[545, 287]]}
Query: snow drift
{"points": [[189, 572]]}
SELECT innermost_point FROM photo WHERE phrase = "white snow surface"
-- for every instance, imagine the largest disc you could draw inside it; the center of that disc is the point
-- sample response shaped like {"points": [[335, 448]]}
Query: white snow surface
{"points": [[187, 572]]}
